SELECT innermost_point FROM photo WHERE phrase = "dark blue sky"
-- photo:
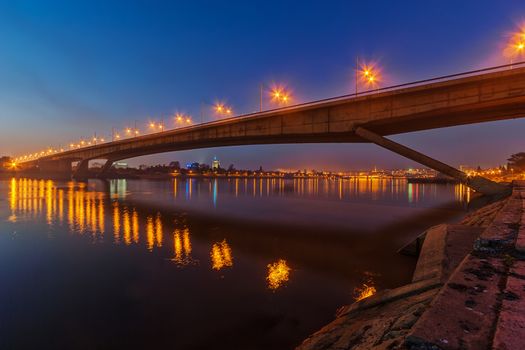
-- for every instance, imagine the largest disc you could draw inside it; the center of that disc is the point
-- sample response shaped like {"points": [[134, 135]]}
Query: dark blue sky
{"points": [[72, 68]]}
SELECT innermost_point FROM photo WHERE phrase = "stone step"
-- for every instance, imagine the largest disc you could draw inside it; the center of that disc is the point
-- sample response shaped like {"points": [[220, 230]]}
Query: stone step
{"points": [[500, 235], [444, 248], [463, 313], [510, 328]]}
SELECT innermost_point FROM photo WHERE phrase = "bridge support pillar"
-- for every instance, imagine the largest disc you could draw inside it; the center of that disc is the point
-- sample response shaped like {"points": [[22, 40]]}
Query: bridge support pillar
{"points": [[106, 167], [477, 183], [82, 170]]}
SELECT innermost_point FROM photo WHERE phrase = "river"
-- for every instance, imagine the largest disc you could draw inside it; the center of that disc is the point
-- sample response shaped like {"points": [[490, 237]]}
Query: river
{"points": [[201, 263]]}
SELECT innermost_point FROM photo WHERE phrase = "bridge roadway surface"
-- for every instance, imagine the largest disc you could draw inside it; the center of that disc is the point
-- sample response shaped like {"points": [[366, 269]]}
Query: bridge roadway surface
{"points": [[481, 96]]}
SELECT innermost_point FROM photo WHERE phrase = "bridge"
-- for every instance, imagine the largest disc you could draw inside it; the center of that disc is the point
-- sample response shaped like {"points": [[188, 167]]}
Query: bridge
{"points": [[492, 94]]}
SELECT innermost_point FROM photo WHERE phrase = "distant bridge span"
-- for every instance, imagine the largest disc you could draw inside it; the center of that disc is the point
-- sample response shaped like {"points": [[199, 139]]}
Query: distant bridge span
{"points": [[474, 97]]}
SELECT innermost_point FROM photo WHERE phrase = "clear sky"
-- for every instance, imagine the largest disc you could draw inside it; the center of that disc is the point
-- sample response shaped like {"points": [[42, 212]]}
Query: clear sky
{"points": [[69, 69]]}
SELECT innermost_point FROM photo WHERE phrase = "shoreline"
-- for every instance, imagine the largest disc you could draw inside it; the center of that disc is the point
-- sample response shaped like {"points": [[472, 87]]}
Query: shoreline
{"points": [[462, 272]]}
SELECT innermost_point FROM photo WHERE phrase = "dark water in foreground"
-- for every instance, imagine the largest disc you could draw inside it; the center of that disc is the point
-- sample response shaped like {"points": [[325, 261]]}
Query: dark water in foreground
{"points": [[200, 264]]}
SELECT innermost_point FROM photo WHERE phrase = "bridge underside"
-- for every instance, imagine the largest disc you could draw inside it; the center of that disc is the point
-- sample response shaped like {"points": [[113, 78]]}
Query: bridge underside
{"points": [[472, 99], [479, 184]]}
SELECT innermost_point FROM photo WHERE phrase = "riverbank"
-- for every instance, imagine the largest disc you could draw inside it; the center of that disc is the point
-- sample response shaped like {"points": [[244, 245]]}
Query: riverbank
{"points": [[467, 291]]}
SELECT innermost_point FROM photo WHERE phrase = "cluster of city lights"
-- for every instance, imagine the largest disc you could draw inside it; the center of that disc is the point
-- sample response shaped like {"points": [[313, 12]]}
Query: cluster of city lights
{"points": [[366, 74]]}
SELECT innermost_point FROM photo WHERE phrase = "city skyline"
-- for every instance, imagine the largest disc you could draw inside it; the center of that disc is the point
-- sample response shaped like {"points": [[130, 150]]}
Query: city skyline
{"points": [[80, 86]]}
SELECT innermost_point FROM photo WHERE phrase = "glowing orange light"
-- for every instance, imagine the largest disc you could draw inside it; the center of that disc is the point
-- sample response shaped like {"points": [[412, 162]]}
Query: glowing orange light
{"points": [[278, 274], [279, 95], [516, 44], [364, 292], [219, 108], [369, 74], [221, 255]]}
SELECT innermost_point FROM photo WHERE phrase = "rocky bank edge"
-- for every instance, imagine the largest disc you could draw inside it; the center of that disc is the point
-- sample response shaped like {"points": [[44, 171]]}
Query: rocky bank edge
{"points": [[467, 291]]}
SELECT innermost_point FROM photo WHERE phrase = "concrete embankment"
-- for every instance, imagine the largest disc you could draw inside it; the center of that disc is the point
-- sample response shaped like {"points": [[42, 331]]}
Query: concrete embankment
{"points": [[467, 291]]}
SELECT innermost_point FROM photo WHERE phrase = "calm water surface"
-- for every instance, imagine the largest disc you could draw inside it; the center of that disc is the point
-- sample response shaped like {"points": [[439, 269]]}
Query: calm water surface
{"points": [[200, 264]]}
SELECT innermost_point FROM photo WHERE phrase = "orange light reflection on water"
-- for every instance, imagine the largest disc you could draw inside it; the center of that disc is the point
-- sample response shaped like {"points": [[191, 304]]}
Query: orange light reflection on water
{"points": [[278, 274], [221, 255]]}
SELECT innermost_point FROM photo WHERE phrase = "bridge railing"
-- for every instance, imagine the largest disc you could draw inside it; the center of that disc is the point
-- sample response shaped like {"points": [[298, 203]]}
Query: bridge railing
{"points": [[386, 89]]}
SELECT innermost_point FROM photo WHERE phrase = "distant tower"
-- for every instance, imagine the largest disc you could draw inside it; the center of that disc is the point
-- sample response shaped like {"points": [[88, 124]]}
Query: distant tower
{"points": [[215, 164]]}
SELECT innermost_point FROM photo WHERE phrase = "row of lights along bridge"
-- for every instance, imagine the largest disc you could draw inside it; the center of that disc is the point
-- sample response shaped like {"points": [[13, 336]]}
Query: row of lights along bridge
{"points": [[365, 74], [279, 97]]}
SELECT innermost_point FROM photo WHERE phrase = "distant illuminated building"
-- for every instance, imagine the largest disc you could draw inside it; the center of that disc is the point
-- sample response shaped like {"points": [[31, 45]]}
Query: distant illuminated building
{"points": [[215, 164], [192, 166], [120, 165]]}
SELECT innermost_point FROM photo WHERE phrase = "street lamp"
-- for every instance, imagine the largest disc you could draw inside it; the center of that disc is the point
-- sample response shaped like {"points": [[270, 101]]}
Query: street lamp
{"points": [[280, 95], [516, 46], [182, 119], [368, 74], [277, 93], [222, 110]]}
